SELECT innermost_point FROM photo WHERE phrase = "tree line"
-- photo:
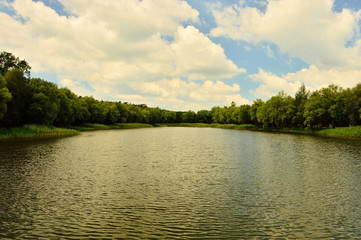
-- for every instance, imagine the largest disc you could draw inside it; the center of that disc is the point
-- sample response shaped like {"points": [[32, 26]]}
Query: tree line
{"points": [[331, 106], [26, 100]]}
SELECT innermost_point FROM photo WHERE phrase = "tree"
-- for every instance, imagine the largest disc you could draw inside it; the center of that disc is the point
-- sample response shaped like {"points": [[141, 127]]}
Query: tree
{"points": [[204, 116], [69, 108], [82, 114], [241, 115], [355, 108], [155, 115], [189, 117], [45, 104], [218, 115], [301, 99], [98, 114], [17, 108], [5, 97], [9, 62], [113, 114], [277, 111], [254, 109], [322, 109]]}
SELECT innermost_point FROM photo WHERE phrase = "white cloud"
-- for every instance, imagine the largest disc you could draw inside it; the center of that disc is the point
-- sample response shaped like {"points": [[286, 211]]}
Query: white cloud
{"points": [[312, 77], [113, 44], [77, 87], [134, 98], [200, 96], [272, 84], [307, 29], [199, 58]]}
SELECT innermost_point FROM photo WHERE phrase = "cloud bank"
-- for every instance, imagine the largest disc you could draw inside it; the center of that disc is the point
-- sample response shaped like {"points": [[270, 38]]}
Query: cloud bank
{"points": [[118, 47], [312, 31]]}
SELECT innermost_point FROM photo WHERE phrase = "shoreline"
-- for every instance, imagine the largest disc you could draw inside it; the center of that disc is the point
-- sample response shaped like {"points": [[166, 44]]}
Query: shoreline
{"points": [[38, 131], [353, 132], [35, 131]]}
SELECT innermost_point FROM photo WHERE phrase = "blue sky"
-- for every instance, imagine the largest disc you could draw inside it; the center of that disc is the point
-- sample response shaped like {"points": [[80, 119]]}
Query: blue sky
{"points": [[183, 55]]}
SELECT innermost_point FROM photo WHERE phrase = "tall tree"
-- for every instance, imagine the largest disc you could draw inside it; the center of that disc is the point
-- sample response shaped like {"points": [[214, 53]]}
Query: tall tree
{"points": [[9, 62], [5, 97], [322, 109], [277, 111], [204, 116], [45, 104], [257, 104], [189, 117], [301, 98], [17, 85]]}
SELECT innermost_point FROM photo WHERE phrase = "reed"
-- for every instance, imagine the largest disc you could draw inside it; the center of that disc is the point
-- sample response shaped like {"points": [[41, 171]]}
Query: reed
{"points": [[32, 130], [96, 126]]}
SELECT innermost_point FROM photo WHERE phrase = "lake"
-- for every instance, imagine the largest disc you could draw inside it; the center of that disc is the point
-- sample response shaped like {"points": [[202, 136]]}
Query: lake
{"points": [[176, 183]]}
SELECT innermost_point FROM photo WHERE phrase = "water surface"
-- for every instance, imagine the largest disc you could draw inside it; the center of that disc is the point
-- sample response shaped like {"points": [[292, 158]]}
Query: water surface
{"points": [[180, 183]]}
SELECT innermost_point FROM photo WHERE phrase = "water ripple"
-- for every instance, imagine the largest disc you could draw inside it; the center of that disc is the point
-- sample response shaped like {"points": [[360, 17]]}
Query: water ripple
{"points": [[180, 183]]}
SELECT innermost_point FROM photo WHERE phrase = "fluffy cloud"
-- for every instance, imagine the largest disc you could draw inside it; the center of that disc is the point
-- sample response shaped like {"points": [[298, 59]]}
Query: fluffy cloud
{"points": [[113, 44], [199, 58], [307, 29], [272, 84], [186, 94], [312, 77]]}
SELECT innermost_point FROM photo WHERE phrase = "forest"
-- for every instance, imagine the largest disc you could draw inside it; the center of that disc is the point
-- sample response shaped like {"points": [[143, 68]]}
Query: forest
{"points": [[26, 100]]}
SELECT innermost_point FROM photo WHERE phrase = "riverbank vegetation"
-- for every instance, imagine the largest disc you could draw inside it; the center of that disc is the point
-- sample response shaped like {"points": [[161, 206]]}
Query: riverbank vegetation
{"points": [[96, 126], [31, 130], [25, 100], [207, 125]]}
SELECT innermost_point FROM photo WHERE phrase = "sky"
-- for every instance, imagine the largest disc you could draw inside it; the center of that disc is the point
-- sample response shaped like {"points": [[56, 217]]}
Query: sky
{"points": [[186, 54]]}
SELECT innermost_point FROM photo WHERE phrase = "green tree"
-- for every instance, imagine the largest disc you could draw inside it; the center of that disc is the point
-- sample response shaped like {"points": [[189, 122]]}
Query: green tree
{"points": [[69, 108], [254, 109], [5, 97], [301, 98], [18, 107], [354, 107], [113, 114], [123, 118], [45, 104], [322, 109], [204, 116], [277, 111], [189, 117], [155, 115], [9, 62], [82, 111], [218, 115], [98, 112], [241, 115]]}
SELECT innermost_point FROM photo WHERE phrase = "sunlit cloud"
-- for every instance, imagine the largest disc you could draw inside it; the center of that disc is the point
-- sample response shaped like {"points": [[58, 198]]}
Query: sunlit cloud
{"points": [[112, 44]]}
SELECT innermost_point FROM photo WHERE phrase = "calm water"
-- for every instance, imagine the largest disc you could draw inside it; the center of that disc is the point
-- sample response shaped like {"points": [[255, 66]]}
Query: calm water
{"points": [[180, 183]]}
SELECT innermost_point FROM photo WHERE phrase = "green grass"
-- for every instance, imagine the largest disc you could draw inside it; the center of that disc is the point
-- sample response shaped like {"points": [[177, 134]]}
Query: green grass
{"points": [[342, 132], [96, 126], [345, 132], [212, 125], [32, 130], [348, 132]]}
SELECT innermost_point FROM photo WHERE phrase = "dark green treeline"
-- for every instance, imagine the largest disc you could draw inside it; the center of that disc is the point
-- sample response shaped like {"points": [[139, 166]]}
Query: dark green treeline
{"points": [[25, 100]]}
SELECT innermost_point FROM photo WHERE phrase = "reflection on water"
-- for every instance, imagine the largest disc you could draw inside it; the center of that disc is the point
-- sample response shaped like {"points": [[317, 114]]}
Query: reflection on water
{"points": [[180, 183]]}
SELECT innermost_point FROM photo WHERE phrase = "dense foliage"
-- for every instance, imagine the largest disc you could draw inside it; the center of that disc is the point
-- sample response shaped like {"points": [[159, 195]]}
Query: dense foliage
{"points": [[25, 100]]}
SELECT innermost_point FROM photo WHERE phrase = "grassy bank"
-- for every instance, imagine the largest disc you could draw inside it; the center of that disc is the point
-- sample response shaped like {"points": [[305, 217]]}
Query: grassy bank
{"points": [[354, 132], [212, 125], [346, 132], [201, 125], [31, 130], [95, 126], [343, 132]]}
